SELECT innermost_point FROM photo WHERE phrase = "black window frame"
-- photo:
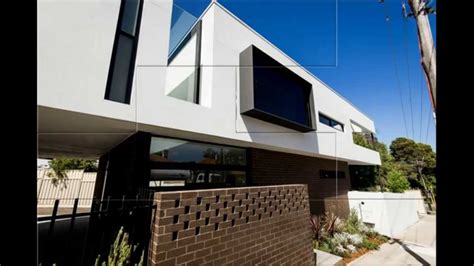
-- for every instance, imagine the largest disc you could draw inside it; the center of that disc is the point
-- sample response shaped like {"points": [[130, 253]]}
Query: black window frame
{"points": [[204, 167], [196, 29], [331, 174], [131, 71], [332, 122]]}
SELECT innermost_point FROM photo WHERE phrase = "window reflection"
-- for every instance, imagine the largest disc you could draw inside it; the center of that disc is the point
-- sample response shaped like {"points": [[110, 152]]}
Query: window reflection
{"points": [[185, 163], [180, 151], [182, 77], [234, 156], [167, 177]]}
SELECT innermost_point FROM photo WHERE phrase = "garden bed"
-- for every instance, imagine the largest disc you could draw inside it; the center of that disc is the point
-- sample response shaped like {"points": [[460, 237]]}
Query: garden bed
{"points": [[349, 238], [361, 251]]}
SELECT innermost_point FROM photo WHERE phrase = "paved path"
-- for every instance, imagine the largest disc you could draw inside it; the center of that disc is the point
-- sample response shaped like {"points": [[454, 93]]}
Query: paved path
{"points": [[414, 246]]}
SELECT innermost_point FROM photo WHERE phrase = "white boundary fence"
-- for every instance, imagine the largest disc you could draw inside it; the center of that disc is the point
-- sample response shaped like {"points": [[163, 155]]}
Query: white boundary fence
{"points": [[390, 213], [78, 185]]}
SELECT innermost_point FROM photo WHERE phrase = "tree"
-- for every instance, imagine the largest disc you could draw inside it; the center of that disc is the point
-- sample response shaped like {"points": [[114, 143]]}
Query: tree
{"points": [[417, 161], [372, 177], [61, 165], [361, 140], [407, 152], [397, 182]]}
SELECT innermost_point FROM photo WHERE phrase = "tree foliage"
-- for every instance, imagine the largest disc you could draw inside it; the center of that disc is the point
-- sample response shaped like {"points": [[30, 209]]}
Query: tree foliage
{"points": [[373, 178], [61, 165], [407, 152], [397, 182], [416, 162], [361, 140]]}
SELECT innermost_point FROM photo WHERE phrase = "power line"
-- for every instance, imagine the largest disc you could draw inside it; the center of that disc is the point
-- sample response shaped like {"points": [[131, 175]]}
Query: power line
{"points": [[408, 76], [387, 18]]}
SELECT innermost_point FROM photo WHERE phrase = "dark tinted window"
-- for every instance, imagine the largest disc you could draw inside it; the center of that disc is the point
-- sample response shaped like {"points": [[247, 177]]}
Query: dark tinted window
{"points": [[323, 119], [123, 58], [331, 174], [118, 86], [130, 14], [279, 91], [182, 151], [330, 122]]}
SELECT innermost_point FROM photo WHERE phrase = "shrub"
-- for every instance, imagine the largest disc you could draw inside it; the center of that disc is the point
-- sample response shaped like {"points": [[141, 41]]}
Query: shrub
{"points": [[315, 222], [352, 224], [330, 222], [120, 252], [381, 238], [355, 239], [325, 246], [366, 243], [396, 182], [342, 251], [341, 239], [351, 248]]}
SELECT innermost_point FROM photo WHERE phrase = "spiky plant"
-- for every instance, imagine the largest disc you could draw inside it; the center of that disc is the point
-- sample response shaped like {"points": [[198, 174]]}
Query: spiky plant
{"points": [[330, 220], [315, 222], [120, 251]]}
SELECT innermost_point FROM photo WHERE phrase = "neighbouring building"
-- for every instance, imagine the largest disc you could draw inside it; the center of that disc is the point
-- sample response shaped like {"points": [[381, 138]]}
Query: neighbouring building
{"points": [[171, 103]]}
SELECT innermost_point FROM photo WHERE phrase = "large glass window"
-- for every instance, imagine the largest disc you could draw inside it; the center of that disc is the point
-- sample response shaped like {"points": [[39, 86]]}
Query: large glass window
{"points": [[176, 162], [181, 151], [279, 91], [273, 93], [120, 78]]}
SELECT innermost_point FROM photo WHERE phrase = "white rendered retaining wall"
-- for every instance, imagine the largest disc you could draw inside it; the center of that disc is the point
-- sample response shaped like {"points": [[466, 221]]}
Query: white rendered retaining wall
{"points": [[390, 213]]}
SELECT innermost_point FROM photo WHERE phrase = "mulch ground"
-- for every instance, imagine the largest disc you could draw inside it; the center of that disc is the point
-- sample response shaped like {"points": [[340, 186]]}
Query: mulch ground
{"points": [[362, 251], [355, 255]]}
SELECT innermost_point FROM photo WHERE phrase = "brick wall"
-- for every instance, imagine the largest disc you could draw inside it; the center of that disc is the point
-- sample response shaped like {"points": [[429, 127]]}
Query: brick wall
{"points": [[267, 225], [269, 167]]}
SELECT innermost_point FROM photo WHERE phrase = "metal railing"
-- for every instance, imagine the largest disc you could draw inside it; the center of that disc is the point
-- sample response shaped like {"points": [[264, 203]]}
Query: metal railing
{"points": [[79, 238]]}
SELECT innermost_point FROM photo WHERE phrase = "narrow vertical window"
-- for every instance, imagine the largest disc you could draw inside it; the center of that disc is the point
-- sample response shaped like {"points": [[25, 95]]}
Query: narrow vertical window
{"points": [[119, 82]]}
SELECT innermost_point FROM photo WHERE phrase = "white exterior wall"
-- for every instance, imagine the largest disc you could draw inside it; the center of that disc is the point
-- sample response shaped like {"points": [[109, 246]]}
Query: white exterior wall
{"points": [[391, 213], [73, 76], [75, 41]]}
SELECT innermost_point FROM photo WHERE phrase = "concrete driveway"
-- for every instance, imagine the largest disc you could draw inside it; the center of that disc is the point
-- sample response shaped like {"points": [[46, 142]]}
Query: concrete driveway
{"points": [[416, 245]]}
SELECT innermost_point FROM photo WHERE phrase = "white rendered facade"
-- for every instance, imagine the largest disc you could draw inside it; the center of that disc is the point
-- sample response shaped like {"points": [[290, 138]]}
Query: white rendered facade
{"points": [[75, 46]]}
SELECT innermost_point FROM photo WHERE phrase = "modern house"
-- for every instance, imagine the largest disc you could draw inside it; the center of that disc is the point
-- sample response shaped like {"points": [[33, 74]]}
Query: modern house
{"points": [[165, 103], [169, 103]]}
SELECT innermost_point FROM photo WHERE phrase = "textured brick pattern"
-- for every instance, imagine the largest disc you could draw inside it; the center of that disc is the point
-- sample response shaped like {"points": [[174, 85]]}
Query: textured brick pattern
{"points": [[271, 168], [266, 225]]}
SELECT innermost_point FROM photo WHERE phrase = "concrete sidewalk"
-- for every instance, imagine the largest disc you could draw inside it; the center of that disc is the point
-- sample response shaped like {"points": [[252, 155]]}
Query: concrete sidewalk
{"points": [[414, 246]]}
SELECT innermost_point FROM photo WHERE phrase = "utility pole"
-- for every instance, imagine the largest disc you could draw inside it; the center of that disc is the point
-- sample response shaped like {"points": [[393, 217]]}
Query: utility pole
{"points": [[420, 11], [419, 168]]}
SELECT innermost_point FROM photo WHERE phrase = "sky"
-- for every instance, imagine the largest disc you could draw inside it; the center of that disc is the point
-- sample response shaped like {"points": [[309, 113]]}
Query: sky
{"points": [[352, 47]]}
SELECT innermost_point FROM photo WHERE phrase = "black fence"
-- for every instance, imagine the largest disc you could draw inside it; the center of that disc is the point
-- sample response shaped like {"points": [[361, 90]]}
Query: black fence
{"points": [[79, 238]]}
